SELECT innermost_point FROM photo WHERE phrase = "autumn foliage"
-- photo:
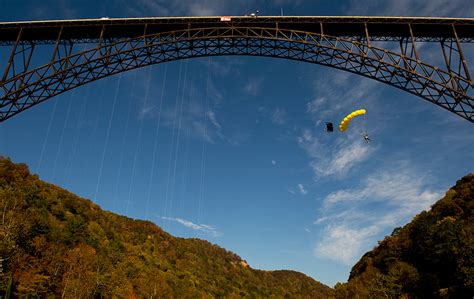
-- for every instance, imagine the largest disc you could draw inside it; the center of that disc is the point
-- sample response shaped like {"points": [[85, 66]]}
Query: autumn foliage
{"points": [[55, 244], [431, 257]]}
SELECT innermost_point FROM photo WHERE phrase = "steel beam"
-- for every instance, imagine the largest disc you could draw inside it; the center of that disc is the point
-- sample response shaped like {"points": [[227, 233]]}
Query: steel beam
{"points": [[353, 49]]}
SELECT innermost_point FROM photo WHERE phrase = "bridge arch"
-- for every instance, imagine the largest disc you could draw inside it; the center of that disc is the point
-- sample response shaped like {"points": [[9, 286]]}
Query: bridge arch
{"points": [[443, 88]]}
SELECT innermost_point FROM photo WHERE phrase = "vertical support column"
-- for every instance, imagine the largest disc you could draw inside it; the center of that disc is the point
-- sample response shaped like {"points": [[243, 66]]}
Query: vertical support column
{"points": [[367, 37], [101, 37], [460, 78], [321, 28], [56, 46], [104, 56], [408, 46], [145, 41], [408, 50], [365, 42], [67, 53], [461, 56], [64, 51], [26, 61], [145, 29], [11, 60], [15, 72], [413, 44], [447, 60]]}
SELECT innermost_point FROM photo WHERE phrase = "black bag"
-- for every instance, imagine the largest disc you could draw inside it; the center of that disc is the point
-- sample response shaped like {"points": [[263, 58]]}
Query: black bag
{"points": [[329, 127]]}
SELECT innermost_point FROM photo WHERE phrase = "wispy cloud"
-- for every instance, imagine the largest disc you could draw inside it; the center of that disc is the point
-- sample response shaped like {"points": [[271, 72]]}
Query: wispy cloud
{"points": [[458, 8], [399, 189], [253, 86], [274, 162], [354, 218], [195, 112], [205, 228], [279, 116], [181, 8], [336, 216], [345, 158], [193, 119], [197, 120], [334, 158], [338, 92], [145, 111], [342, 243], [223, 66], [302, 189], [313, 107], [40, 11], [212, 118], [332, 155], [200, 8], [215, 94]]}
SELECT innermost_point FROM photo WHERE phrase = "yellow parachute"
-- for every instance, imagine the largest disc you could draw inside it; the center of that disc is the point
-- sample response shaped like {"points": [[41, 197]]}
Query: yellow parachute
{"points": [[345, 122]]}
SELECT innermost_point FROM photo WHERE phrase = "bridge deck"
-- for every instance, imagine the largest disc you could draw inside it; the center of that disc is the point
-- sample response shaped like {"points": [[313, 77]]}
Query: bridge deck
{"points": [[426, 28]]}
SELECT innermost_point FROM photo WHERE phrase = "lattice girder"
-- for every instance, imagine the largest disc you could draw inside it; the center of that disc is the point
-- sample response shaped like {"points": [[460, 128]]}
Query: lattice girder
{"points": [[446, 88]]}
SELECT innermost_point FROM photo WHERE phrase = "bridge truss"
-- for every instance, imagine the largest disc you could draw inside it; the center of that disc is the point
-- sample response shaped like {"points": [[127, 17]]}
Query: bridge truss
{"points": [[47, 58]]}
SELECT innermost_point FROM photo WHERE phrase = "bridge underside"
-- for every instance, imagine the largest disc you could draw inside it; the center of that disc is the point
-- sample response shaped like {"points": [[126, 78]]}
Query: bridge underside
{"points": [[78, 52]]}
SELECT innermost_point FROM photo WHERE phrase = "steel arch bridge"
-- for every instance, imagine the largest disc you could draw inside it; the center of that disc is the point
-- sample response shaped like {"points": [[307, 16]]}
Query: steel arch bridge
{"points": [[47, 58]]}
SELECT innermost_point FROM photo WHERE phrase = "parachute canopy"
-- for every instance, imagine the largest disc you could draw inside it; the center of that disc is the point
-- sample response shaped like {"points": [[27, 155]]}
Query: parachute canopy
{"points": [[345, 122]]}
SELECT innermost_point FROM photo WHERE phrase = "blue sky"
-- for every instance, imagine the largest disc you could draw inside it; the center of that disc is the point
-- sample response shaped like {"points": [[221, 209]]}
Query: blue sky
{"points": [[233, 149]]}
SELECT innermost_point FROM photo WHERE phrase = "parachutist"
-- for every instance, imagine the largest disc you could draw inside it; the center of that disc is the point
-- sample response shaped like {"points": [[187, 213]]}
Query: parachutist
{"points": [[366, 137]]}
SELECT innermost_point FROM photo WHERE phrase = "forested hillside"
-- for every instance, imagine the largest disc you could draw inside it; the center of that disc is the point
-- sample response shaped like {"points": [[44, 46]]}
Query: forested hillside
{"points": [[54, 243], [431, 257]]}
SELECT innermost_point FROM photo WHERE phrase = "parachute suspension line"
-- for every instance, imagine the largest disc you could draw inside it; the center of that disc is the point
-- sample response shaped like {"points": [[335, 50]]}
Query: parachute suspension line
{"points": [[124, 138], [77, 133], [165, 212], [155, 147], [178, 139], [142, 116], [203, 150], [364, 124], [107, 138], [61, 139]]}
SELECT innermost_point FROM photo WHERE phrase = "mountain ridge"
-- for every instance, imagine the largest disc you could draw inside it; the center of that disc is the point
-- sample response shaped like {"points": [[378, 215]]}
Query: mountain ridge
{"points": [[59, 244], [54, 243], [432, 256]]}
